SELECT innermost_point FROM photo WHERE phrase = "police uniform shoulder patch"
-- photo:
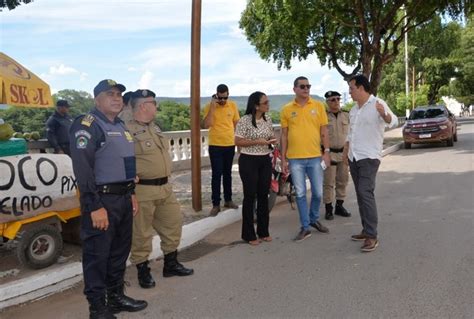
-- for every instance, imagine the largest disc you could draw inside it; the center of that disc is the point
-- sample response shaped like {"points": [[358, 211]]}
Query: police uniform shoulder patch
{"points": [[82, 139], [87, 120]]}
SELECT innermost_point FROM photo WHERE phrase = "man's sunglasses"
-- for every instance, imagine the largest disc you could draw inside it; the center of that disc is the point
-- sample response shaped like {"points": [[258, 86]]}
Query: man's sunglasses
{"points": [[334, 99], [304, 86], [222, 98]]}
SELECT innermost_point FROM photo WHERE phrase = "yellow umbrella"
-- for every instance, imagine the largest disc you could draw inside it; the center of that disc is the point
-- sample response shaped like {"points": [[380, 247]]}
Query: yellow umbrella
{"points": [[20, 87]]}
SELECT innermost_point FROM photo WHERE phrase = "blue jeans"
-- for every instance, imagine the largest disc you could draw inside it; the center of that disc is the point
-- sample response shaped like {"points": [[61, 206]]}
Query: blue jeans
{"points": [[299, 169]]}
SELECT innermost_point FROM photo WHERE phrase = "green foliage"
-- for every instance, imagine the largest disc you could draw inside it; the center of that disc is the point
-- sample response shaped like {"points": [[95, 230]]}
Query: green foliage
{"points": [[12, 4], [34, 119], [348, 106], [173, 116], [435, 55], [27, 119], [463, 86], [275, 116], [363, 35], [81, 102]]}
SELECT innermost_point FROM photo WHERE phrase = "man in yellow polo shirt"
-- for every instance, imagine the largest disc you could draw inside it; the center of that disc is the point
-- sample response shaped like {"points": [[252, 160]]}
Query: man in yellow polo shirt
{"points": [[220, 117], [304, 130]]}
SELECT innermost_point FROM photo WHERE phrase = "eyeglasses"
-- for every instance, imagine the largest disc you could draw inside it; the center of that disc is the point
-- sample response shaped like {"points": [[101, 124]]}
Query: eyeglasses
{"points": [[267, 102], [152, 102], [222, 98], [304, 86], [334, 99]]}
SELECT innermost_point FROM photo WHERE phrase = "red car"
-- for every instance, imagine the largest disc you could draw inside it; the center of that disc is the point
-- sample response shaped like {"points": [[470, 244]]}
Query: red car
{"points": [[430, 124]]}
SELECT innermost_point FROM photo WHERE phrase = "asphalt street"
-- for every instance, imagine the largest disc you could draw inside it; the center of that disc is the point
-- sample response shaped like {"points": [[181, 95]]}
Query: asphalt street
{"points": [[423, 267]]}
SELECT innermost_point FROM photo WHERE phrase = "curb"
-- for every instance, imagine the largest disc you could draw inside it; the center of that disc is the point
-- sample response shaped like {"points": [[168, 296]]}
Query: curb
{"points": [[51, 281], [55, 280], [392, 149]]}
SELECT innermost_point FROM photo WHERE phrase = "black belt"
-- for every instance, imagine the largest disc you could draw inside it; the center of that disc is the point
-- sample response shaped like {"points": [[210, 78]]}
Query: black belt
{"points": [[336, 150], [156, 181], [116, 188]]}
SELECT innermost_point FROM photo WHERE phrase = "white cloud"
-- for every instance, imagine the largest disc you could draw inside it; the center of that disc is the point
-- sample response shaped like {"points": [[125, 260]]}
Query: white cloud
{"points": [[62, 70], [146, 80], [121, 15], [83, 77]]}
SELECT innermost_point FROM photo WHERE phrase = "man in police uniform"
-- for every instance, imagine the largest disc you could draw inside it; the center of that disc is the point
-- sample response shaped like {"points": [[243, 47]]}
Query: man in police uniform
{"points": [[57, 128], [337, 174], [126, 113], [102, 153], [159, 209]]}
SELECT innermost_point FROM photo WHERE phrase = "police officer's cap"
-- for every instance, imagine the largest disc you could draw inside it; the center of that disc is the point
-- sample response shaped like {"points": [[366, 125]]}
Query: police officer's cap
{"points": [[142, 94], [62, 103], [329, 94], [106, 85], [127, 97]]}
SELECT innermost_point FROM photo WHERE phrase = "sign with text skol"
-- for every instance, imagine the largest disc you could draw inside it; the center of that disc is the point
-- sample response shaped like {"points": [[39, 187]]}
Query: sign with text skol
{"points": [[20, 87], [31, 184]]}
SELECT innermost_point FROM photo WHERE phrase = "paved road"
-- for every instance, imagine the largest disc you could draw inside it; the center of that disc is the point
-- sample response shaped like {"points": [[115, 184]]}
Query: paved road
{"points": [[423, 268]]}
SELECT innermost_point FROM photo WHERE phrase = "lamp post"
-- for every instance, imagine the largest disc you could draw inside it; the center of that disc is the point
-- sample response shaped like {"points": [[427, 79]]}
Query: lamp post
{"points": [[407, 81], [196, 105]]}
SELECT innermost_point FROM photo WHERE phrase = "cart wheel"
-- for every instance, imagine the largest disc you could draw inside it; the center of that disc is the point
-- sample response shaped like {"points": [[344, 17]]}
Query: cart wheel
{"points": [[39, 246]]}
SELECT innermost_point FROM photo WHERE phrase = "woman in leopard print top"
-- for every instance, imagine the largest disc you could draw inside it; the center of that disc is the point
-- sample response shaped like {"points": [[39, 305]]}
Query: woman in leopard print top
{"points": [[254, 135]]}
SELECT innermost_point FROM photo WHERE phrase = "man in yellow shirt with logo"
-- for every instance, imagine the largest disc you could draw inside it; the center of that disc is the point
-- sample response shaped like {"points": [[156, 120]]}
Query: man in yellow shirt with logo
{"points": [[220, 117], [304, 129]]}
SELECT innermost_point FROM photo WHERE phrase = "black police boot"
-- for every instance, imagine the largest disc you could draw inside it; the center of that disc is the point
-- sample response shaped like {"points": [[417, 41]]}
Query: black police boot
{"points": [[98, 310], [117, 301], [329, 215], [340, 210], [144, 276], [173, 268]]}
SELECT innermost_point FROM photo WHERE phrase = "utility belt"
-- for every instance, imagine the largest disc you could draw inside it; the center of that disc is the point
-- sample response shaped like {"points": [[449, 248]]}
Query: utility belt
{"points": [[336, 150], [116, 188], [155, 181]]}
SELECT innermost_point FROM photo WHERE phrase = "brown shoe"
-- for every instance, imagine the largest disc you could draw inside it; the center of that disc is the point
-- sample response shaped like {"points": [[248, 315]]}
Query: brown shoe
{"points": [[319, 227], [370, 244], [230, 204], [214, 211], [359, 237]]}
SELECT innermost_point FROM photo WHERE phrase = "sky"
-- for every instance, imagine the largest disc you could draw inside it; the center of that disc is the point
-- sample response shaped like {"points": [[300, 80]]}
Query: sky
{"points": [[147, 44]]}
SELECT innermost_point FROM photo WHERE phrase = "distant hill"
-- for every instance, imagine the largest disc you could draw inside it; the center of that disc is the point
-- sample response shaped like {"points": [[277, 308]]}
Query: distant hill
{"points": [[276, 101]]}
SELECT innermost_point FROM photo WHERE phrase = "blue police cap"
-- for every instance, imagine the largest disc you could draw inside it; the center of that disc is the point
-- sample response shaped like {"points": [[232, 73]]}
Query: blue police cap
{"points": [[127, 97], [106, 85], [62, 103], [142, 94], [329, 94]]}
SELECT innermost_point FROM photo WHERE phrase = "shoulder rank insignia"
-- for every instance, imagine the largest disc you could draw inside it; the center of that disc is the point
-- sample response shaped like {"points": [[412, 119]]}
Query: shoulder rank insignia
{"points": [[128, 136], [87, 120]]}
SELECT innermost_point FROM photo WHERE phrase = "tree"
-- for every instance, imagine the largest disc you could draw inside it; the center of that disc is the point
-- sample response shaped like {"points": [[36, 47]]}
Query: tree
{"points": [[364, 35], [12, 4], [173, 116], [81, 102], [434, 54], [463, 85], [34, 119]]}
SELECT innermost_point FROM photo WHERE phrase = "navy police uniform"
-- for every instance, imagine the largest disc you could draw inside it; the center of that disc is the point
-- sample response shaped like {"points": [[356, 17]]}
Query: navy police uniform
{"points": [[57, 129], [104, 164]]}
